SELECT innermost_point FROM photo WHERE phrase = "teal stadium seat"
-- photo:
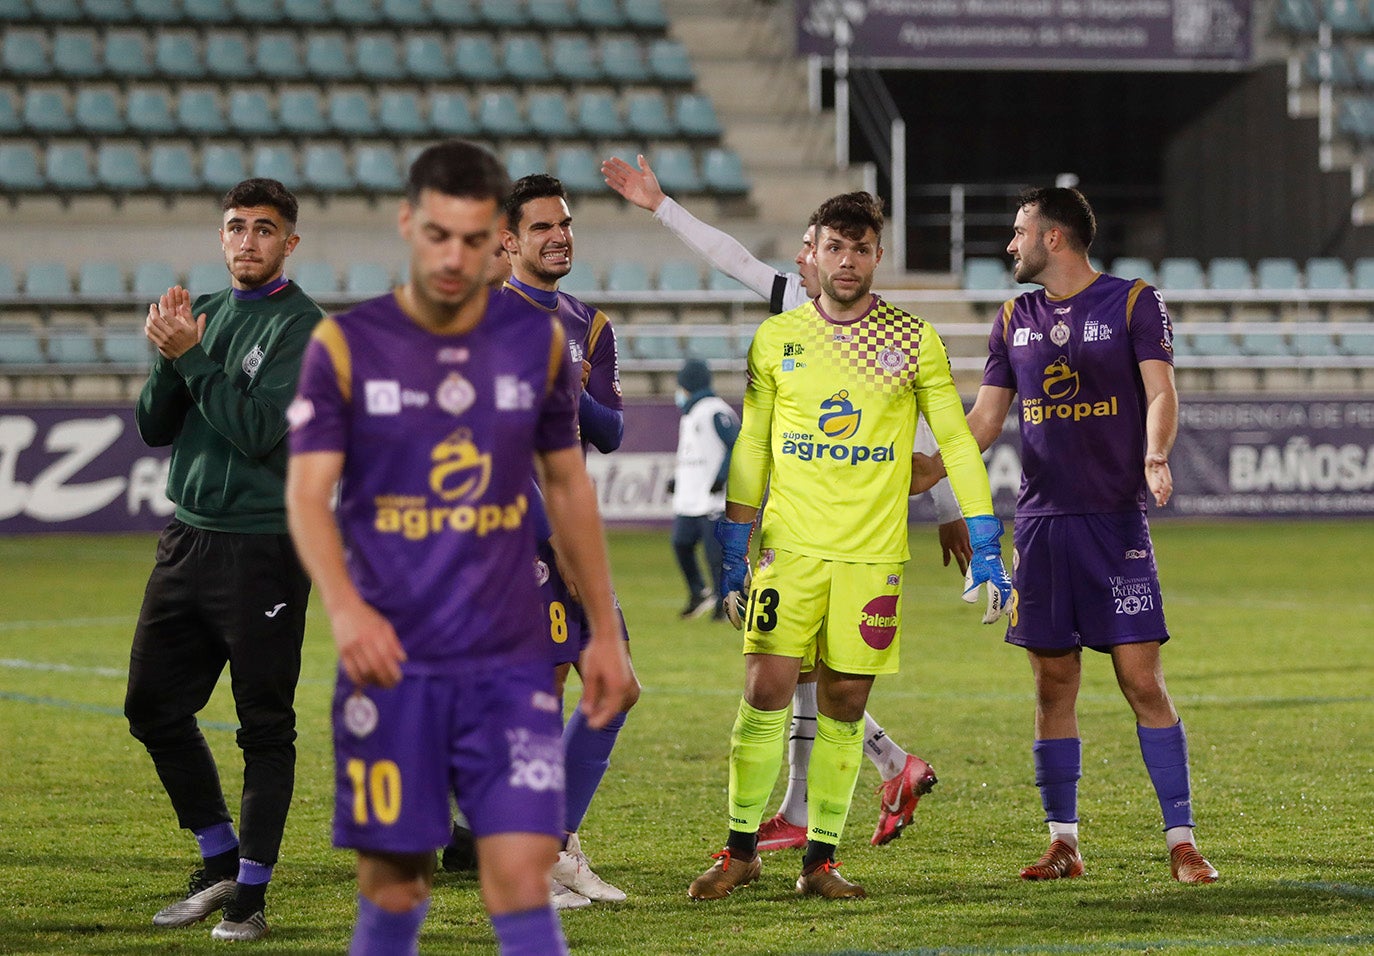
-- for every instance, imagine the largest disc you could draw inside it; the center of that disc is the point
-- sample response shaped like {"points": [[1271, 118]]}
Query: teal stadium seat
{"points": [[579, 169], [19, 344], [24, 53], [327, 57], [622, 60], [627, 276], [8, 287], [405, 13], [1264, 344], [222, 166], [172, 169], [10, 120], [125, 344], [1181, 274], [456, 13], [199, 112], [1277, 273], [601, 14], [645, 15], [276, 161], [125, 54], [378, 58], [301, 113], [498, 114], [325, 169], [985, 274], [679, 275], [581, 279], [276, 55], [695, 116], [207, 13], [1362, 276], [646, 116], [254, 13], [101, 279], [1327, 273], [676, 169], [598, 116], [156, 11], [399, 113], [72, 343], [573, 59], [723, 171], [1347, 17], [367, 279], [714, 347], [1229, 272], [670, 63], [74, 55], [523, 59], [450, 114], [177, 56], [662, 348], [1358, 344], [1315, 345], [251, 113], [502, 14], [357, 13], [1342, 67], [475, 59], [1296, 17], [1208, 345], [350, 113], [47, 280], [1131, 267], [152, 278], [1355, 117], [376, 169], [148, 110], [107, 11], [58, 11], [19, 171], [549, 116], [525, 161], [427, 58], [97, 111], [47, 112], [14, 11], [718, 281], [227, 55], [119, 168], [68, 167], [1362, 64], [312, 13], [204, 277], [551, 14], [316, 277]]}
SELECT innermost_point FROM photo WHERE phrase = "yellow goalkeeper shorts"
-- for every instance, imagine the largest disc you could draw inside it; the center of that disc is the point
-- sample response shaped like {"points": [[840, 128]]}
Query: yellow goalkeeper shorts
{"points": [[847, 615]]}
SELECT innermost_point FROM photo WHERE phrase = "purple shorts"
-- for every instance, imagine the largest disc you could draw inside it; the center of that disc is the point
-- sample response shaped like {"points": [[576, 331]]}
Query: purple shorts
{"points": [[567, 622], [493, 738], [1085, 581]]}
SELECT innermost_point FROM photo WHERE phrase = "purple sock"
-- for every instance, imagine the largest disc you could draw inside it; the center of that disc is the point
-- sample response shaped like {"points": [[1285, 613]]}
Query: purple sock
{"points": [[216, 839], [1058, 765], [382, 933], [1165, 750], [586, 756], [253, 873], [530, 933]]}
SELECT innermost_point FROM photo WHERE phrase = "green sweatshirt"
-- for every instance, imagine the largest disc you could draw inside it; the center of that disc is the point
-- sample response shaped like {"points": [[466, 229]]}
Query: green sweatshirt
{"points": [[222, 408]]}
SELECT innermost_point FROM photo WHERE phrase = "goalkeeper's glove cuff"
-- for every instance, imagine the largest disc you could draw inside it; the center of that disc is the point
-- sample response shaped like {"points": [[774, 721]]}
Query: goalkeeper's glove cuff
{"points": [[985, 532]]}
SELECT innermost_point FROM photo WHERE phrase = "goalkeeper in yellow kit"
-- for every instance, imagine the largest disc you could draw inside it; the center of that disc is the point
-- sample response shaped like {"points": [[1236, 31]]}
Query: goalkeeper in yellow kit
{"points": [[829, 416]]}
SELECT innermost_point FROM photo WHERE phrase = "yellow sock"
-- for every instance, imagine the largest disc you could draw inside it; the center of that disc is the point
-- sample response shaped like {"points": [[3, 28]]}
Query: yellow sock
{"points": [[835, 761], [756, 748]]}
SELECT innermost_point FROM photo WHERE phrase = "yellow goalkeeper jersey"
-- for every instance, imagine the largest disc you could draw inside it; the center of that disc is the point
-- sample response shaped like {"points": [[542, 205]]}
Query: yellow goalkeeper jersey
{"points": [[829, 419]]}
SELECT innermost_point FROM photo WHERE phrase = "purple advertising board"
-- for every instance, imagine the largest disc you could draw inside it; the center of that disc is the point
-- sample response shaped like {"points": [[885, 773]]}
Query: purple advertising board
{"points": [[84, 468], [1034, 34]]}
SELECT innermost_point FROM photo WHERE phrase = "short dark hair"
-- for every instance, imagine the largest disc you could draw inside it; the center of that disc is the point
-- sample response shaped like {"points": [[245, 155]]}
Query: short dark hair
{"points": [[527, 188], [457, 167], [1066, 208], [263, 192], [851, 215]]}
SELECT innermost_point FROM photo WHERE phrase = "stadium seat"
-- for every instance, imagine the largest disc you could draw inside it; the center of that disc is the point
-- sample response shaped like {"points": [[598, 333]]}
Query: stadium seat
{"points": [[152, 278], [679, 275], [222, 167], [148, 110], [125, 344], [455, 13], [499, 115], [316, 277], [1277, 273], [1296, 16], [1362, 64], [97, 111], [581, 279], [723, 171], [1342, 68], [356, 13], [646, 116], [985, 273], [1211, 345], [156, 11], [327, 57], [405, 13], [376, 169], [350, 113], [176, 55], [251, 113], [206, 277], [278, 56], [274, 161], [573, 59], [1229, 272], [600, 14], [666, 348], [579, 168], [101, 279], [1362, 276], [207, 12], [119, 168], [58, 11], [1355, 117], [227, 55], [254, 13], [549, 116], [307, 12], [19, 170], [68, 167], [551, 14], [171, 168], [46, 111], [475, 59], [1262, 344], [10, 120], [378, 58], [47, 280], [695, 115], [718, 281], [523, 59], [74, 55], [427, 57], [72, 342], [1130, 267], [525, 160], [367, 279], [8, 287], [199, 112], [14, 11], [301, 113], [107, 11], [627, 276], [399, 113], [1327, 273], [502, 14], [325, 168], [645, 15], [19, 344], [598, 116], [1358, 344], [1315, 344], [670, 63], [1347, 17], [450, 114], [622, 60], [714, 347], [1181, 274], [126, 55], [24, 53]]}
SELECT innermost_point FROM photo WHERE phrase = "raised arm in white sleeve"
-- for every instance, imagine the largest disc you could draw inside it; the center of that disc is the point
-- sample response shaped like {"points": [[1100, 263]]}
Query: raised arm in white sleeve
{"points": [[721, 250], [941, 495]]}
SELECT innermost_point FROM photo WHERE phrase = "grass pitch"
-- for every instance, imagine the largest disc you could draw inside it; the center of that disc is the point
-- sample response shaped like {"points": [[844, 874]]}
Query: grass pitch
{"points": [[1271, 668]]}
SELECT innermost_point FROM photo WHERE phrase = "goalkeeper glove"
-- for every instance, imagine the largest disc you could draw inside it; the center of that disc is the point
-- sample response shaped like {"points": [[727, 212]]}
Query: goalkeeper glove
{"points": [[984, 532], [734, 567]]}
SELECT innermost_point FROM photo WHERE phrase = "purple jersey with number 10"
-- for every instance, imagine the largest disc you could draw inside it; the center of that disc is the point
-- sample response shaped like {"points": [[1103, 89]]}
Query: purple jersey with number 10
{"points": [[439, 434], [1075, 364]]}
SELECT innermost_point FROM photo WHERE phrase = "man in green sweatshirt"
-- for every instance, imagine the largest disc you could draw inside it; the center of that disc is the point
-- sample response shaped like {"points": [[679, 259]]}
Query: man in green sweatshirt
{"points": [[227, 587]]}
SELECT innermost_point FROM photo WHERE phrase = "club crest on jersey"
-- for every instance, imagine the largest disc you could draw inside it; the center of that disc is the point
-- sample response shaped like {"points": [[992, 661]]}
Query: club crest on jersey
{"points": [[1061, 382], [541, 572], [455, 394], [892, 360], [460, 471], [360, 715], [839, 418], [253, 361], [766, 557], [1060, 333]]}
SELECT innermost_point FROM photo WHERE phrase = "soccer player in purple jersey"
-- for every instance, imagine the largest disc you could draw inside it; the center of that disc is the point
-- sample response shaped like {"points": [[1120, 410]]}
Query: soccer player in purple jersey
{"points": [[1091, 357], [429, 408], [539, 242]]}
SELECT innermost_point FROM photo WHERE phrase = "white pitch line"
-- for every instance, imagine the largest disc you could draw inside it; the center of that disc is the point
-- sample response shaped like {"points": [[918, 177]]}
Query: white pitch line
{"points": [[15, 664], [64, 622]]}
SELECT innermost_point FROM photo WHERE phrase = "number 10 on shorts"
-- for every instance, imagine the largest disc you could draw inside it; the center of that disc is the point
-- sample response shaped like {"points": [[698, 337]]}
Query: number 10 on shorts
{"points": [[377, 787]]}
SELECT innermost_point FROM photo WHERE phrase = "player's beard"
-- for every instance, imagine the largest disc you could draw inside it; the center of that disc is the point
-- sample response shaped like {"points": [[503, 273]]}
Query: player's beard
{"points": [[250, 275], [545, 273], [444, 300], [1029, 267], [860, 290]]}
